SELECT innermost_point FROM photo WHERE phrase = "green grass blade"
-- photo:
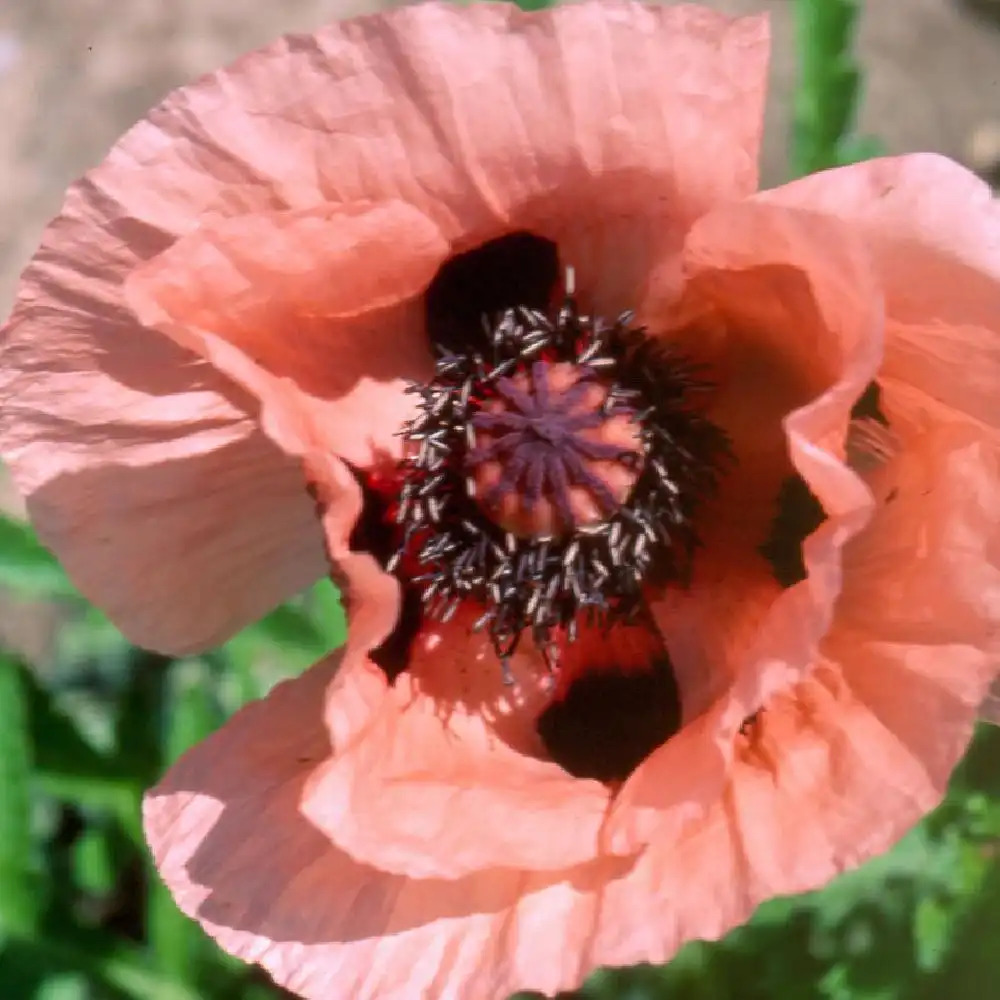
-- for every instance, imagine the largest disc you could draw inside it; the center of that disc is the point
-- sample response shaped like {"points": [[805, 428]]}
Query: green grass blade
{"points": [[139, 719], [191, 713], [828, 87], [313, 624], [60, 747], [26, 972], [96, 860], [20, 905]]}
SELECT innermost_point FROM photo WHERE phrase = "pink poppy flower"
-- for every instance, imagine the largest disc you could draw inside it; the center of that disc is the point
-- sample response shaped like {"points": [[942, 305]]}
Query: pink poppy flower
{"points": [[481, 312]]}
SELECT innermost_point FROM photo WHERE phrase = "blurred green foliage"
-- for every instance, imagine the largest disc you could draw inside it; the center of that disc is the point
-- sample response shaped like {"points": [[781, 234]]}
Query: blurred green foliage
{"points": [[91, 723]]}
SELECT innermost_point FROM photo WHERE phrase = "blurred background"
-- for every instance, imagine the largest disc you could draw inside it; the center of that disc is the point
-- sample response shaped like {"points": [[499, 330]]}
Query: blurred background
{"points": [[86, 722]]}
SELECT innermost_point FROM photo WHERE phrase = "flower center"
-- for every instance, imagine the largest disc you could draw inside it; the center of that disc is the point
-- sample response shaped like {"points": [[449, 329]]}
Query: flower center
{"points": [[550, 474], [548, 457]]}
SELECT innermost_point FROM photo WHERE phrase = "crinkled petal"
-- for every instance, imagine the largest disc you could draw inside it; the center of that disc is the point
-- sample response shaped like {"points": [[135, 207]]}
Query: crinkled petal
{"points": [[933, 229], [652, 113], [822, 779], [917, 630], [836, 767], [799, 323], [313, 310], [371, 597], [391, 107], [912, 645], [816, 785], [143, 468]]}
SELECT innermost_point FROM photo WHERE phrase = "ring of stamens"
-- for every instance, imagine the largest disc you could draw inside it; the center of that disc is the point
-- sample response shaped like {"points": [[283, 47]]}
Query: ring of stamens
{"points": [[453, 551]]}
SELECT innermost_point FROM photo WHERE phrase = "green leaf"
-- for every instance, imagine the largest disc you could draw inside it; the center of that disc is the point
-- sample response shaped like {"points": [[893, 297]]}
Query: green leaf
{"points": [[933, 927], [967, 959], [60, 747], [27, 567], [23, 972], [828, 86], [20, 906], [327, 611], [95, 861], [290, 626], [64, 986], [314, 623]]}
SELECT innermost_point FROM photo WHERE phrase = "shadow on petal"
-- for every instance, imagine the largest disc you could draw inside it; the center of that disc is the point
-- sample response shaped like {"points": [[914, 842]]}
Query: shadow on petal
{"points": [[814, 784], [916, 632], [429, 768], [930, 226], [429, 771]]}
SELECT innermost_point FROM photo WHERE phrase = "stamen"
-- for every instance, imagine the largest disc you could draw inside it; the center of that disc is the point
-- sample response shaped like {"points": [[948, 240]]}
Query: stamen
{"points": [[554, 476]]}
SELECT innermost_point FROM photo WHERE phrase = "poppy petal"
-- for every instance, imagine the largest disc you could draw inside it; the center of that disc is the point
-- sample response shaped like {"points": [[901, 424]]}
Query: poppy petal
{"points": [[229, 837], [654, 112], [427, 767], [931, 226], [913, 639], [815, 785], [817, 317], [916, 630], [832, 769], [383, 109], [132, 454], [322, 299]]}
